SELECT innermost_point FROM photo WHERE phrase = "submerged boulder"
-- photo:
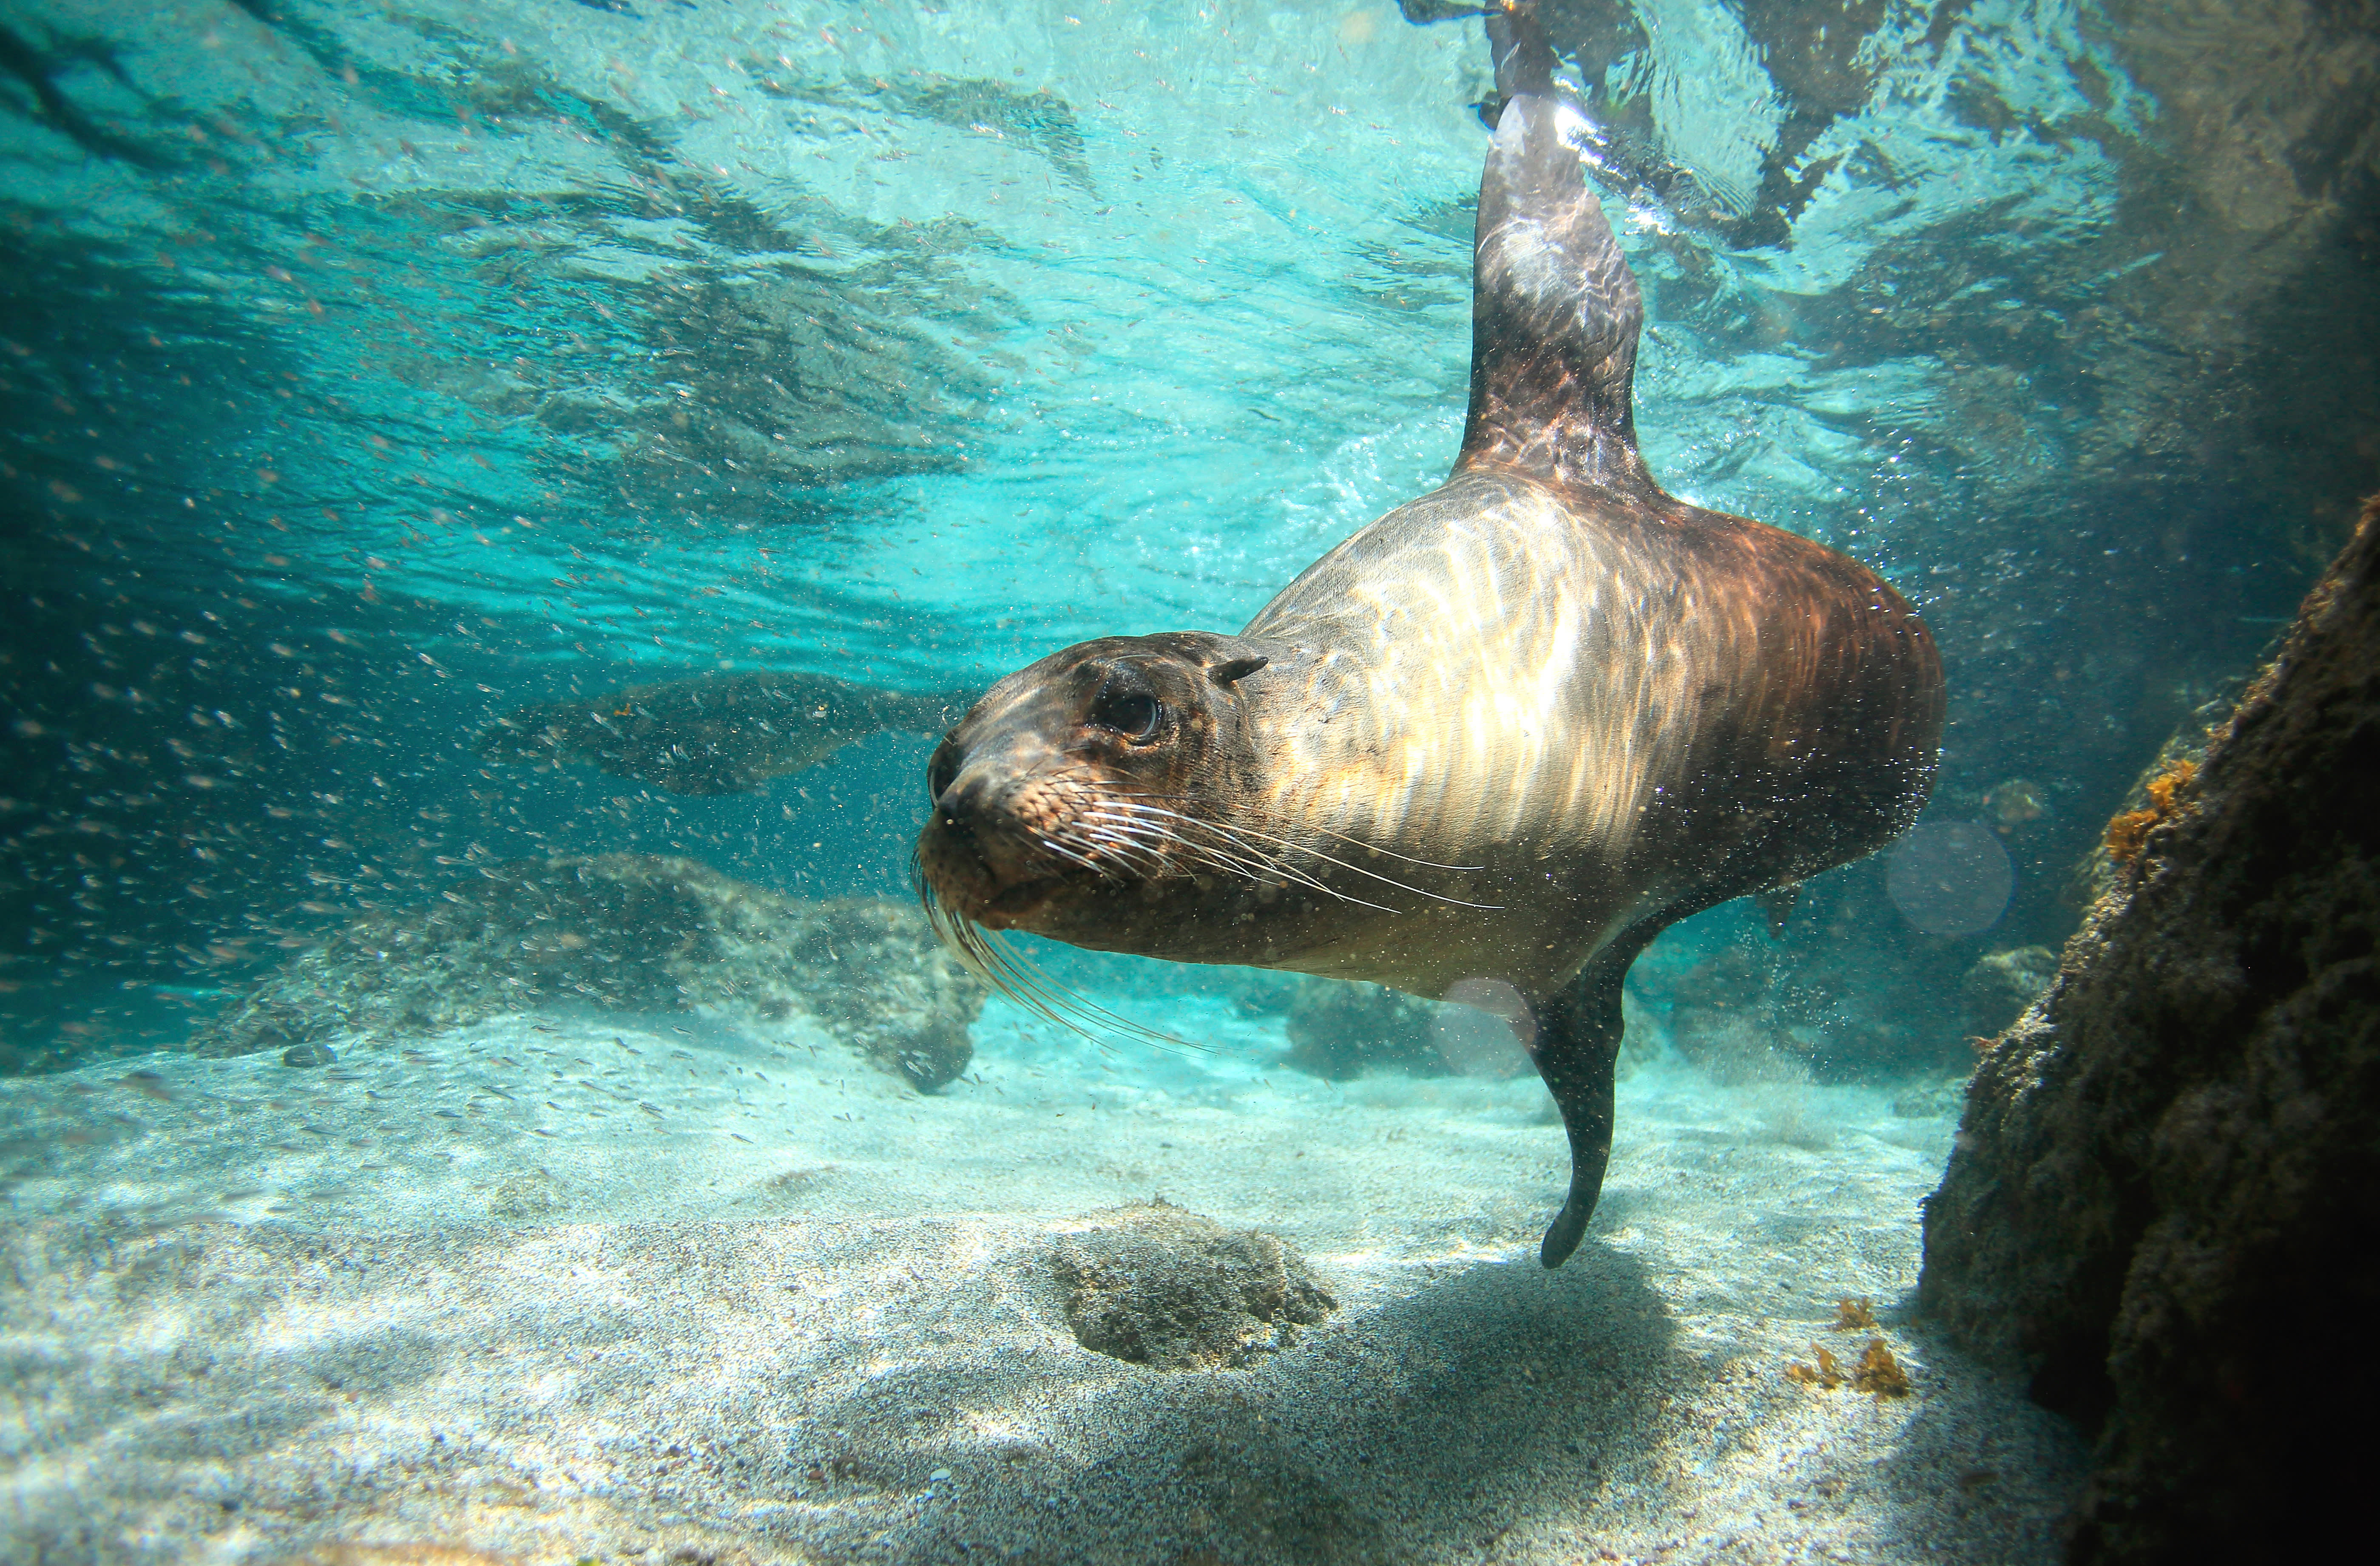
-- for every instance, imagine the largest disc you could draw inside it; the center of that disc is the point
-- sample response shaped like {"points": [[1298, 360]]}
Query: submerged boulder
{"points": [[2164, 1204], [1339, 1029], [622, 932], [1999, 985]]}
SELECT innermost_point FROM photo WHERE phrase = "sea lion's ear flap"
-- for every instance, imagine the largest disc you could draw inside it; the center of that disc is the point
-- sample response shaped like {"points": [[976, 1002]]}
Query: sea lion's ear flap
{"points": [[1233, 670]]}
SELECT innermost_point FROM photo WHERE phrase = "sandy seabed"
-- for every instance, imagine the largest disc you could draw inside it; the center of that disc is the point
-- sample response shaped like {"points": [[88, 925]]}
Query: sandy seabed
{"points": [[558, 1290]]}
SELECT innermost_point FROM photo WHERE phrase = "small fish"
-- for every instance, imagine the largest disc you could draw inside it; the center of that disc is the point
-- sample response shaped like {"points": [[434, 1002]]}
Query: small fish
{"points": [[448, 1114], [187, 992], [497, 1091], [149, 1084], [542, 1131], [683, 1032], [650, 1111], [741, 1137]]}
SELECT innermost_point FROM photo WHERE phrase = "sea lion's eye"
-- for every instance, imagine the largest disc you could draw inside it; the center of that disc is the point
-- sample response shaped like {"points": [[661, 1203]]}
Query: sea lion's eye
{"points": [[1134, 714], [942, 771]]}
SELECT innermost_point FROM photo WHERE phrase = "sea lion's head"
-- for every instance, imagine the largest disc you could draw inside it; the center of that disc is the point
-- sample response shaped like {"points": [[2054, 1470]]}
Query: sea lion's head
{"points": [[1086, 792]]}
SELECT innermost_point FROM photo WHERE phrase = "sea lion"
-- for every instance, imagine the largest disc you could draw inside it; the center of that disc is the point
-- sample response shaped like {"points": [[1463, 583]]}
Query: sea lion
{"points": [[1509, 731], [715, 734]]}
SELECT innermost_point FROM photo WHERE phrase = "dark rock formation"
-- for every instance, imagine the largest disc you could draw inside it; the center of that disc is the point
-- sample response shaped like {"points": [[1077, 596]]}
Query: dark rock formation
{"points": [[1158, 1286], [1340, 1029], [2000, 985], [625, 932], [2165, 1201]]}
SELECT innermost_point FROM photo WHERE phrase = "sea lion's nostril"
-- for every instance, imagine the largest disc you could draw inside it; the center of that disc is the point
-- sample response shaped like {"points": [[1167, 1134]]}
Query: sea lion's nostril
{"points": [[941, 771], [958, 808]]}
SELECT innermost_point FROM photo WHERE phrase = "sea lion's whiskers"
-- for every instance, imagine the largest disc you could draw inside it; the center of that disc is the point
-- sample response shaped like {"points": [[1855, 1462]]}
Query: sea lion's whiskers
{"points": [[1343, 837], [1376, 848], [1070, 857], [1248, 861], [1245, 858], [1236, 830], [1188, 857], [1106, 830], [1152, 836], [1015, 977], [1122, 852], [1165, 827]]}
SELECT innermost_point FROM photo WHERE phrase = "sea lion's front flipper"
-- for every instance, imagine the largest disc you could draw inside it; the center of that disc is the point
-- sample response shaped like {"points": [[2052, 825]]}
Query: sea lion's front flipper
{"points": [[715, 733], [1554, 309], [1577, 1051]]}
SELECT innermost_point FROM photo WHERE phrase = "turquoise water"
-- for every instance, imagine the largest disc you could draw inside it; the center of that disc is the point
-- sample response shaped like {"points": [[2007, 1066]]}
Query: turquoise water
{"points": [[373, 374], [370, 373]]}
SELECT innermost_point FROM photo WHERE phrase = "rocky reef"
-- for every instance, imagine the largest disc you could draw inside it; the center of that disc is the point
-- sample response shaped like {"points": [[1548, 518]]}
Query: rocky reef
{"points": [[1814, 1006], [1340, 1029], [1155, 1285], [619, 932], [1998, 986], [2165, 1199]]}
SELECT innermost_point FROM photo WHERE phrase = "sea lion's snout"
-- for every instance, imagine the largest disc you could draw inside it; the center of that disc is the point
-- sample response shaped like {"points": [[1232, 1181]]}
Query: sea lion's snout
{"points": [[1075, 774], [978, 852]]}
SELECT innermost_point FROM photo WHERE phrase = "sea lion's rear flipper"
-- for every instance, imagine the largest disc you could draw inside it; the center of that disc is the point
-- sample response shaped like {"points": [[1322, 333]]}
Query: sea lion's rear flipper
{"points": [[1577, 1051], [1554, 309], [715, 733]]}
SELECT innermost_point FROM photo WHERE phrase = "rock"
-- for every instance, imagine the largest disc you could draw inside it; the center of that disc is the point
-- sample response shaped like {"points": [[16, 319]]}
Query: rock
{"points": [[620, 932], [527, 1197], [2164, 1204], [2001, 984], [1816, 1005], [1939, 1100], [307, 1055], [1340, 1029], [1155, 1285]]}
